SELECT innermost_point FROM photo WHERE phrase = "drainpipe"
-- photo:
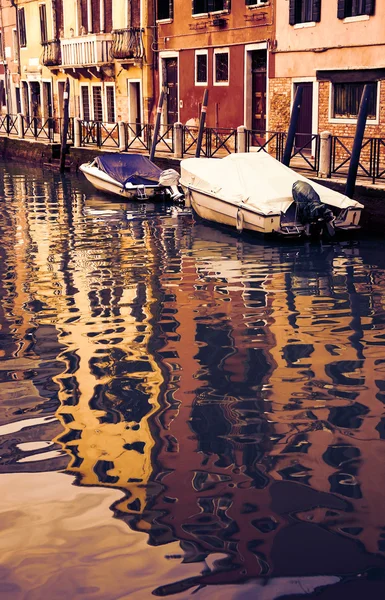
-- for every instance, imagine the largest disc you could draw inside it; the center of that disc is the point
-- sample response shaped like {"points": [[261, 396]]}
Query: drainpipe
{"points": [[147, 20]]}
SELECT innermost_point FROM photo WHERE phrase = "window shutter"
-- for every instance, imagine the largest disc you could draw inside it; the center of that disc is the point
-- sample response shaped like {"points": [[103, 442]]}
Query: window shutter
{"points": [[369, 8], [316, 10], [292, 12], [171, 9], [341, 9]]}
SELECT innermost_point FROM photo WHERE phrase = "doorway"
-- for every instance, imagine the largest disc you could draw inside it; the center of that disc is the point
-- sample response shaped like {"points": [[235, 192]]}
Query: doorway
{"points": [[303, 137], [134, 109], [258, 85], [170, 85]]}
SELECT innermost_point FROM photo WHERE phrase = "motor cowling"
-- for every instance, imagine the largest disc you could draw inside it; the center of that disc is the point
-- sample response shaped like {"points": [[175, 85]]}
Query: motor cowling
{"points": [[310, 209], [170, 180]]}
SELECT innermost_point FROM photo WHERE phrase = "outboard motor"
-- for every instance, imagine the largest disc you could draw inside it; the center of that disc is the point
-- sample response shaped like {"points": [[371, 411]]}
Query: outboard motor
{"points": [[311, 211], [170, 179]]}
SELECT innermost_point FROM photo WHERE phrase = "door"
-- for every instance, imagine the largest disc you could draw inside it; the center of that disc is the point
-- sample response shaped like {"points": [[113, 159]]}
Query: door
{"points": [[47, 100], [170, 82], [258, 104], [305, 119], [35, 99], [134, 108]]}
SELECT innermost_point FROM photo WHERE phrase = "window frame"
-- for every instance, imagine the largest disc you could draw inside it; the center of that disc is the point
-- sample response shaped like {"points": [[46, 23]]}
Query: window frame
{"points": [[256, 3], [352, 120], [93, 87], [210, 9], [87, 87], [215, 53], [201, 53], [299, 21], [168, 19]]}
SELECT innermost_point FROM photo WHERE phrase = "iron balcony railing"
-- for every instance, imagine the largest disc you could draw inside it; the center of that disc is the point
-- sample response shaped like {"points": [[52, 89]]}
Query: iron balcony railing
{"points": [[127, 43], [86, 50], [51, 53]]}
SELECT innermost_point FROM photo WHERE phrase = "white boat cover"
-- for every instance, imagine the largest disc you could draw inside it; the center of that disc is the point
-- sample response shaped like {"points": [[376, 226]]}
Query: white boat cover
{"points": [[254, 178]]}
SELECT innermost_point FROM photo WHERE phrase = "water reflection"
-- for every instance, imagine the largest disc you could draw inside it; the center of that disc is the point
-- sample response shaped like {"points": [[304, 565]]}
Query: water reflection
{"points": [[231, 390]]}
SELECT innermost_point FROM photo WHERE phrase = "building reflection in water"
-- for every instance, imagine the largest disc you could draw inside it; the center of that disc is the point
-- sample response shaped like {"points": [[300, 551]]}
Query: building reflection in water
{"points": [[233, 390]]}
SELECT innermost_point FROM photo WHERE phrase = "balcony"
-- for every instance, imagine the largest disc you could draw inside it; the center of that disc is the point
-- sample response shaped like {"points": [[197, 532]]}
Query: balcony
{"points": [[51, 53], [86, 51], [127, 43]]}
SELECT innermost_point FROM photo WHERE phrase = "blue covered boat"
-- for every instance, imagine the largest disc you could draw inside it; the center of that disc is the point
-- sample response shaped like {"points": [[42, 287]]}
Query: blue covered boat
{"points": [[131, 176]]}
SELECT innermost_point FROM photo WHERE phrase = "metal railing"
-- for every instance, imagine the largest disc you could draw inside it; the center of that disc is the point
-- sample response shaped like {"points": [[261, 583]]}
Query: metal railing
{"points": [[342, 147], [9, 124], [268, 141], [39, 128], [127, 43], [51, 53]]}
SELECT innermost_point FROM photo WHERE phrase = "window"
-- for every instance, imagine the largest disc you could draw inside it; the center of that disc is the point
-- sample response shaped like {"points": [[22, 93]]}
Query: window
{"points": [[221, 66], [43, 23], [255, 2], [304, 11], [22, 30], [205, 6], [201, 67], [97, 102], [355, 8], [86, 113], [347, 98], [110, 102], [165, 9]]}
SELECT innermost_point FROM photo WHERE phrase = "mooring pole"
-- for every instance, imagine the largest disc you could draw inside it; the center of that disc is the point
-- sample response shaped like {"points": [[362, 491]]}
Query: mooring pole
{"points": [[63, 148], [357, 144], [157, 125], [202, 123], [293, 125]]}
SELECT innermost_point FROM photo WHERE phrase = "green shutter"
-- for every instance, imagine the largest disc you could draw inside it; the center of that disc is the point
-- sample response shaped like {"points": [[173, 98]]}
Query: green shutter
{"points": [[341, 9], [292, 12]]}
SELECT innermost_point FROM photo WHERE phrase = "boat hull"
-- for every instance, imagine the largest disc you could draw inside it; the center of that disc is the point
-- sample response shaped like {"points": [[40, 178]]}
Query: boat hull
{"points": [[242, 217], [105, 183]]}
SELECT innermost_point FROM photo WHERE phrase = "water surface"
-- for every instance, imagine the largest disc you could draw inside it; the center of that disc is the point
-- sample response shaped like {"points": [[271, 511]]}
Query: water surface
{"points": [[184, 411]]}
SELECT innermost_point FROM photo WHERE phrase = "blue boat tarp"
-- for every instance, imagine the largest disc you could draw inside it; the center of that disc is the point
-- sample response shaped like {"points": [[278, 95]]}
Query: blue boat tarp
{"points": [[129, 168]]}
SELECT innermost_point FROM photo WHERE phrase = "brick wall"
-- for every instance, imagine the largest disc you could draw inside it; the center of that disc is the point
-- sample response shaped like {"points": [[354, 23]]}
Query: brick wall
{"points": [[279, 104]]}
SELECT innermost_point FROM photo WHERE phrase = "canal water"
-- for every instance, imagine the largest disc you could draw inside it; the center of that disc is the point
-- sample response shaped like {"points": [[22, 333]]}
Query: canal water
{"points": [[184, 412]]}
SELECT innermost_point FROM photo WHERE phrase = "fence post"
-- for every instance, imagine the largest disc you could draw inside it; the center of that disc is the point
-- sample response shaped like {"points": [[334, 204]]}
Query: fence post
{"points": [[325, 154], [122, 136], [77, 134], [241, 139], [178, 140], [20, 126], [98, 134]]}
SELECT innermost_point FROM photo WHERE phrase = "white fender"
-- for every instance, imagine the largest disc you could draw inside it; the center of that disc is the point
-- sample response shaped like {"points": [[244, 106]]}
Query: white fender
{"points": [[239, 220]]}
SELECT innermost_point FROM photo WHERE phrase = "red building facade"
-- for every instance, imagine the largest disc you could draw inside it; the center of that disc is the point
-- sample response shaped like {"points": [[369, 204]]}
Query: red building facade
{"points": [[218, 45]]}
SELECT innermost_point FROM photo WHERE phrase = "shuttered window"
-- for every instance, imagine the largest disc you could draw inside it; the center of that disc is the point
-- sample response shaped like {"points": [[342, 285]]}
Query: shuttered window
{"points": [[97, 102], [21, 26], [110, 103], [347, 98], [355, 8], [85, 103], [43, 23], [304, 11], [165, 9]]}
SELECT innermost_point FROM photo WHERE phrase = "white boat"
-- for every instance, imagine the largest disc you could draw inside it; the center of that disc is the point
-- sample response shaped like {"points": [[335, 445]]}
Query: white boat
{"points": [[255, 192], [131, 176]]}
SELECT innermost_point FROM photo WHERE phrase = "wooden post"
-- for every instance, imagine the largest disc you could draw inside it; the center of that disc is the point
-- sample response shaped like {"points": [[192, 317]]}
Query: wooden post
{"points": [[357, 144], [157, 125], [293, 125], [202, 123], [66, 96]]}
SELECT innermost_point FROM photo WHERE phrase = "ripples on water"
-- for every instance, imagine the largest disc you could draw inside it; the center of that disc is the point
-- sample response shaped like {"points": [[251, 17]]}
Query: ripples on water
{"points": [[225, 395]]}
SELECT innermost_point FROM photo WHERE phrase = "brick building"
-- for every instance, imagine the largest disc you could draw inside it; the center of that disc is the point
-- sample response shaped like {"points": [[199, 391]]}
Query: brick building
{"points": [[331, 48]]}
